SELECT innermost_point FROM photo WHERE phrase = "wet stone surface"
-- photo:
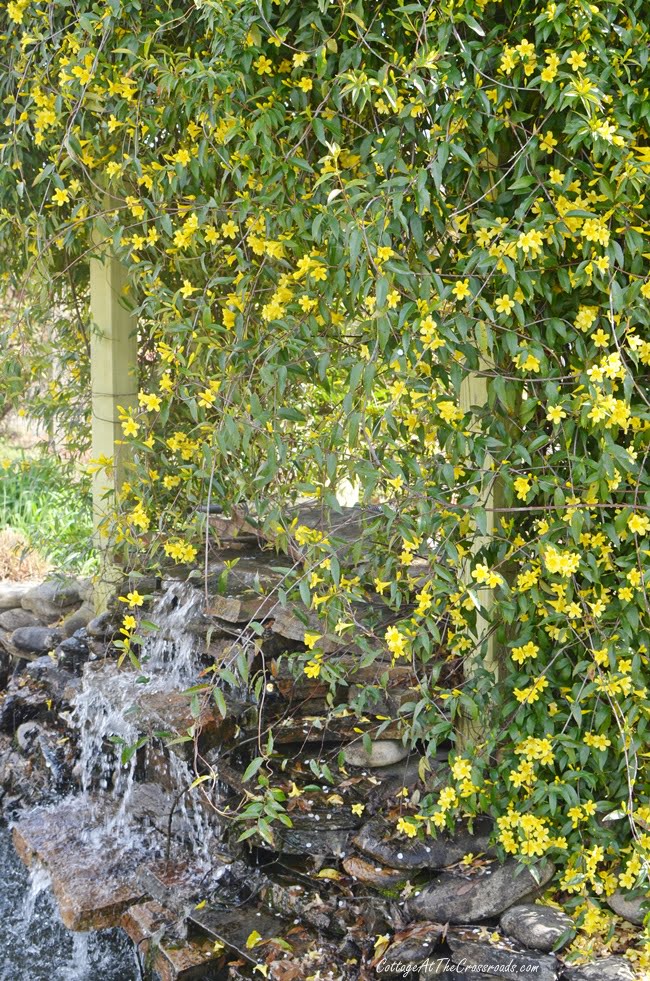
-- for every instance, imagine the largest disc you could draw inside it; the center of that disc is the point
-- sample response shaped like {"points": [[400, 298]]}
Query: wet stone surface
{"points": [[538, 927], [463, 899], [378, 840]]}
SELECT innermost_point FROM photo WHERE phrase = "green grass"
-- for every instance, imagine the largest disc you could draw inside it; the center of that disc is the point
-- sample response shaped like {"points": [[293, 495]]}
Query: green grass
{"points": [[45, 500]]}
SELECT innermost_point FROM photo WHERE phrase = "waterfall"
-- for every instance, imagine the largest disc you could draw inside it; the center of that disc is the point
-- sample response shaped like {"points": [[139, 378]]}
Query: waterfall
{"points": [[106, 715]]}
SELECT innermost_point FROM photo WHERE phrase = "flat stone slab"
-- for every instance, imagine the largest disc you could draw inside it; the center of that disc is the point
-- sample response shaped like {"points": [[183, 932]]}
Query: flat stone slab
{"points": [[471, 899], [173, 958], [378, 839], [93, 885]]}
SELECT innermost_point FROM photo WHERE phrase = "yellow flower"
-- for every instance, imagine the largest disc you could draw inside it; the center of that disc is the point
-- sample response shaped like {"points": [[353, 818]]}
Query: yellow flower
{"points": [[638, 524], [577, 60], [263, 66], [133, 599], [548, 142], [60, 196], [461, 289], [406, 827], [522, 486], [229, 228], [526, 652], [311, 639], [150, 402], [358, 809], [130, 427], [306, 84], [312, 669], [555, 414], [187, 289], [504, 304]]}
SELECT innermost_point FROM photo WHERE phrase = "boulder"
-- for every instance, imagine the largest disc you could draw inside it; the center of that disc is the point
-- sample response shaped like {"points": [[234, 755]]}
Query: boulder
{"points": [[470, 899], [538, 927], [35, 640], [378, 839], [383, 752], [11, 594], [52, 598], [631, 908], [11, 620], [606, 969]]}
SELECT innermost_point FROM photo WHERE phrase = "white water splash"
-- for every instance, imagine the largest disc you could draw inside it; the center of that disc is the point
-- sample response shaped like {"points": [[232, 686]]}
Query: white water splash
{"points": [[106, 715]]}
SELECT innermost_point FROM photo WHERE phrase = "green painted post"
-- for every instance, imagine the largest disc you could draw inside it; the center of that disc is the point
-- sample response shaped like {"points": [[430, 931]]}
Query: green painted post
{"points": [[114, 381], [473, 395]]}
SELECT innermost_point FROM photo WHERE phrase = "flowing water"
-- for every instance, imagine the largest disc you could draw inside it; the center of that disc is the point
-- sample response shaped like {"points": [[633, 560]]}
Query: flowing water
{"points": [[34, 944]]}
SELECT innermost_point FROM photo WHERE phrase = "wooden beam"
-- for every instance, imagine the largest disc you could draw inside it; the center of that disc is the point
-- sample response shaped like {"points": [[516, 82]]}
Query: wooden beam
{"points": [[114, 381], [470, 732]]}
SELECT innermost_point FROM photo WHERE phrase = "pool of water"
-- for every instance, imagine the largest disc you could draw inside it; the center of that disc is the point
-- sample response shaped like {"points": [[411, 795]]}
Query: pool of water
{"points": [[34, 944]]}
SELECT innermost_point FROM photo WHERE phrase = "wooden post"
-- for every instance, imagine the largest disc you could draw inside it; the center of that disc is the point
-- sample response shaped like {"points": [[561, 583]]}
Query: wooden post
{"points": [[473, 395], [114, 381]]}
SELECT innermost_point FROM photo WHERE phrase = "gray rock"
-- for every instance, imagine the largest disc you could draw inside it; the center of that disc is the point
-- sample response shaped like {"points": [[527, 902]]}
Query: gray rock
{"points": [[383, 752], [52, 598], [537, 927], [606, 969], [11, 594], [377, 838], [629, 907], [77, 619], [36, 640], [102, 626], [13, 619], [492, 960], [459, 899], [412, 946]]}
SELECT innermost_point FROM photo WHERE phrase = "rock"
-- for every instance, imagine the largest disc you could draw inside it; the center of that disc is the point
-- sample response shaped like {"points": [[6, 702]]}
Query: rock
{"points": [[11, 594], [378, 839], [102, 626], [383, 752], [410, 947], [461, 899], [77, 619], [374, 875], [11, 620], [35, 640], [497, 960], [92, 883], [606, 969], [73, 652], [52, 598], [629, 906], [538, 927]]}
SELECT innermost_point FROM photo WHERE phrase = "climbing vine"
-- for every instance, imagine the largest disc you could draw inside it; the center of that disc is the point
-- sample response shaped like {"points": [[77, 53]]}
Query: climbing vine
{"points": [[402, 245]]}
